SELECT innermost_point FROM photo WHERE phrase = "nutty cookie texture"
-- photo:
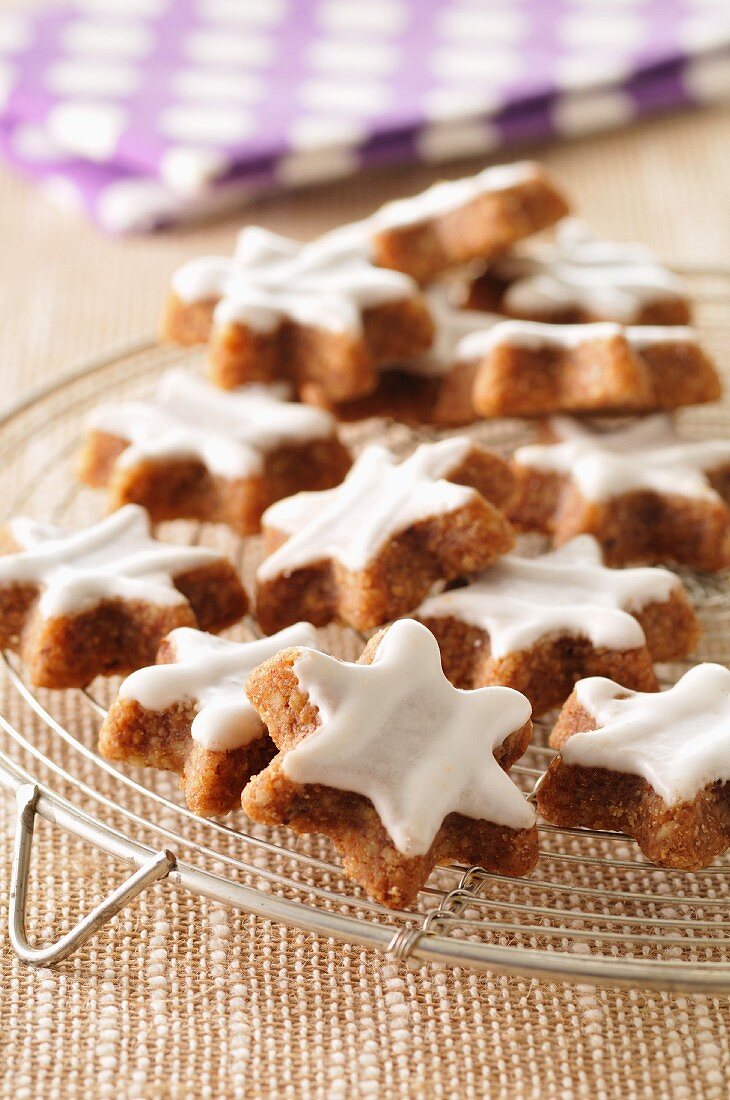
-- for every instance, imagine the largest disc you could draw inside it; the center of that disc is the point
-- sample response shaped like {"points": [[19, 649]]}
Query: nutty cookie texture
{"points": [[656, 766], [540, 624], [370, 550], [197, 452], [578, 278], [189, 714], [644, 492], [521, 368], [322, 315], [98, 601], [401, 770]]}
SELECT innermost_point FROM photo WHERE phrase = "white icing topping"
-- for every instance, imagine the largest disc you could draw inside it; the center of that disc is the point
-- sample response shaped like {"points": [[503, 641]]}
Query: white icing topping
{"points": [[677, 740], [379, 498], [449, 195], [536, 335], [398, 733], [518, 601], [327, 283], [228, 431], [647, 455], [610, 279], [211, 672], [115, 558]]}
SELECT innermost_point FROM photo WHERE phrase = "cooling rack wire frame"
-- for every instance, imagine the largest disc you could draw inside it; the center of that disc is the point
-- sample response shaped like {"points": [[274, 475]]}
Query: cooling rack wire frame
{"points": [[593, 910]]}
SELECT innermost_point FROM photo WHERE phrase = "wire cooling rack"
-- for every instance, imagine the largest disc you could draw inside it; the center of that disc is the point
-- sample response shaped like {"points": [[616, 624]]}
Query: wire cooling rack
{"points": [[592, 911]]}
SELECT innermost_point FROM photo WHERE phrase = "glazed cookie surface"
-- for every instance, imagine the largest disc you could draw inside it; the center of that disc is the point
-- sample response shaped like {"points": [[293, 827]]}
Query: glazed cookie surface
{"points": [[644, 492], [578, 278], [196, 452], [396, 766], [540, 624], [189, 714], [370, 549], [79, 604], [654, 766]]}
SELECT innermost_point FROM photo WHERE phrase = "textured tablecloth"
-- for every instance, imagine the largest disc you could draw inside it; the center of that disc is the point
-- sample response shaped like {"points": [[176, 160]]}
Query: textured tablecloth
{"points": [[181, 998]]}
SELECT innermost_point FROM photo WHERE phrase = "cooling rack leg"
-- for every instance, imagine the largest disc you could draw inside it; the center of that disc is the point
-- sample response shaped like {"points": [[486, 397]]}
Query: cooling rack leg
{"points": [[154, 869]]}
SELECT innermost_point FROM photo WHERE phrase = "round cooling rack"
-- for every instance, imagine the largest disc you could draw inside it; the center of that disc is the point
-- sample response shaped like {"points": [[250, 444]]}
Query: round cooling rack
{"points": [[592, 911]]}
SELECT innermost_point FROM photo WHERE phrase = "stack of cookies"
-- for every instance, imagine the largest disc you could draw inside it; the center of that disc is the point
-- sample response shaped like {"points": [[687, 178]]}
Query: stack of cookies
{"points": [[438, 309]]}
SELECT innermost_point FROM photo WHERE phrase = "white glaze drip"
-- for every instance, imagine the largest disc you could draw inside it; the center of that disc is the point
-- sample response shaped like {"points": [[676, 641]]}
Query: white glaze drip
{"points": [[230, 432], [535, 336], [677, 740], [647, 455], [609, 279], [211, 673], [519, 601], [398, 733], [115, 558], [379, 498]]}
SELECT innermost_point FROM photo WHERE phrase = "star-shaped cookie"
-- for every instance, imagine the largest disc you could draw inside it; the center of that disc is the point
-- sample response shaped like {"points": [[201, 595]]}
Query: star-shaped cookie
{"points": [[540, 624], [644, 492], [396, 766], [197, 452], [321, 315], [522, 368], [654, 766], [189, 714], [371, 549], [579, 278], [97, 601]]}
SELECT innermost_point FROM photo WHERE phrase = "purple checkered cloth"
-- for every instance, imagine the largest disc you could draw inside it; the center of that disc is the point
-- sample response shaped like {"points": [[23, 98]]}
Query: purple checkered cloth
{"points": [[144, 113]]}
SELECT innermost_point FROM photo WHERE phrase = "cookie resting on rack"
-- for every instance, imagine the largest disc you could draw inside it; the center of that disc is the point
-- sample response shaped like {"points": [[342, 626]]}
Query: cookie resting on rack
{"points": [[456, 221], [321, 316], [645, 493], [521, 368], [656, 767], [98, 601], [540, 624], [401, 770], [578, 278], [370, 550], [189, 714], [196, 452]]}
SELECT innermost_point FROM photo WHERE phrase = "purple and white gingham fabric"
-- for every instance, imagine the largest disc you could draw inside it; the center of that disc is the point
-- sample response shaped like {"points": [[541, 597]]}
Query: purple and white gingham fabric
{"points": [[147, 112]]}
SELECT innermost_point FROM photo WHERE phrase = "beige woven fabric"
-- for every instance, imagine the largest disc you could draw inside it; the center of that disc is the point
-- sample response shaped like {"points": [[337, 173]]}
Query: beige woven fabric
{"points": [[181, 998]]}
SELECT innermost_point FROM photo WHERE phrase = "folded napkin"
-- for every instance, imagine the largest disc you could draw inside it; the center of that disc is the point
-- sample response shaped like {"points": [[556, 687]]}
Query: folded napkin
{"points": [[147, 112]]}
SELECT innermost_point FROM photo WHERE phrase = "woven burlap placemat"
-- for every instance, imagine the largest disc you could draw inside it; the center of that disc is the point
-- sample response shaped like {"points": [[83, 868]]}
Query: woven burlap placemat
{"points": [[179, 997]]}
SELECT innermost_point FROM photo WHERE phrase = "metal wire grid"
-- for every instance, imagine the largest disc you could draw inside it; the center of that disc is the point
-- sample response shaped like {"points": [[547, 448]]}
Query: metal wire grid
{"points": [[592, 911]]}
